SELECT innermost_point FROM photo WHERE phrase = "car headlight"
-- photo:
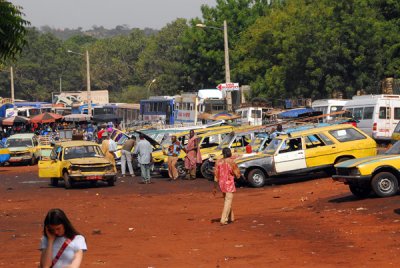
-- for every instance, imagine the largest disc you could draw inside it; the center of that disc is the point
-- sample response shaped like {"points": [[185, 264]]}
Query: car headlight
{"points": [[354, 172], [73, 168]]}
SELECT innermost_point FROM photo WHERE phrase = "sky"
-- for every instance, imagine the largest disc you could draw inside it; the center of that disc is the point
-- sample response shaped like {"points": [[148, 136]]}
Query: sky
{"points": [[109, 13]]}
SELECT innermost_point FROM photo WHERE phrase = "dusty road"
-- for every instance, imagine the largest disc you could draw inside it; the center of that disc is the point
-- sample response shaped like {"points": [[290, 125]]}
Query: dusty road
{"points": [[312, 223]]}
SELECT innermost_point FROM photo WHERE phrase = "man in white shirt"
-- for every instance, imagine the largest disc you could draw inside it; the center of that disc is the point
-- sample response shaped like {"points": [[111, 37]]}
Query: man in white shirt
{"points": [[143, 150]]}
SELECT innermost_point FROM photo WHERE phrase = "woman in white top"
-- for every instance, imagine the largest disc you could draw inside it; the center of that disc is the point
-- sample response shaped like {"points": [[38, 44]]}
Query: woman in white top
{"points": [[61, 245]]}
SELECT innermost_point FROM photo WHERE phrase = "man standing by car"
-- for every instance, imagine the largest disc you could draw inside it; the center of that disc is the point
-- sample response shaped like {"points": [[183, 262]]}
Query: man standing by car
{"points": [[126, 155], [108, 146], [143, 150], [193, 156], [173, 152]]}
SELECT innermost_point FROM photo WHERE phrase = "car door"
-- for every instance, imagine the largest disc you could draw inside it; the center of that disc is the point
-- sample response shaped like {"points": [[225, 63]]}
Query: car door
{"points": [[291, 156], [51, 168]]}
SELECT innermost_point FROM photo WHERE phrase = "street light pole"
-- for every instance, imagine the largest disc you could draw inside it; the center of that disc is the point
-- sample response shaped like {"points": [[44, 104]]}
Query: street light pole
{"points": [[228, 94], [148, 88], [89, 96], [12, 85], [226, 49]]}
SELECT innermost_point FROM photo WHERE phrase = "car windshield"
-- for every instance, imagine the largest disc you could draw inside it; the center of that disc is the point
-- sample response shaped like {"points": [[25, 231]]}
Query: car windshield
{"points": [[395, 149], [260, 140], [82, 152], [19, 142], [273, 146], [226, 141]]}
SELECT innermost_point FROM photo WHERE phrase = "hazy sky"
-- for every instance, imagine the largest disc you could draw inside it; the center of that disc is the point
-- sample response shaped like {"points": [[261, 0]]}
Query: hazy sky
{"points": [[109, 13]]}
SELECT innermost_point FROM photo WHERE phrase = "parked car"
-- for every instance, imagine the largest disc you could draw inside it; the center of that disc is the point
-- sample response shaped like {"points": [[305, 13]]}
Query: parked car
{"points": [[74, 161], [306, 151], [23, 148], [379, 174], [4, 154]]}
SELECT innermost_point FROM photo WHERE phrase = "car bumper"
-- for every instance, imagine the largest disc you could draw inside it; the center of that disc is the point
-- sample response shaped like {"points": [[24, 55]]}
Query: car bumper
{"points": [[351, 179], [18, 159], [92, 177]]}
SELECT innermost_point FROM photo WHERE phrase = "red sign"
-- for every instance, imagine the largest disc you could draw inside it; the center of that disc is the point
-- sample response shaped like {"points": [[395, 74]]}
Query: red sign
{"points": [[228, 86]]}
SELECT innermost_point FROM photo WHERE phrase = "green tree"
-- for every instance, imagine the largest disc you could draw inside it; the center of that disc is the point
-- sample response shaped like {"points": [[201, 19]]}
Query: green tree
{"points": [[12, 30], [162, 60]]}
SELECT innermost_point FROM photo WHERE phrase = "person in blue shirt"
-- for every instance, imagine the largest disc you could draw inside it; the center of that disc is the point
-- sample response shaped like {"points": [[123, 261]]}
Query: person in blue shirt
{"points": [[173, 152]]}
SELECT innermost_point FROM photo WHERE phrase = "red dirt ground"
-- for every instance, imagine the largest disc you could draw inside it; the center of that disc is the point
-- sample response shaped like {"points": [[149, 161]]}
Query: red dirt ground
{"points": [[309, 223]]}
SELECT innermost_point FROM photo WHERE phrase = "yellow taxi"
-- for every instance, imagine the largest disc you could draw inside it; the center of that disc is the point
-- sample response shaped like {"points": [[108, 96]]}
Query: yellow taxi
{"points": [[207, 138], [306, 151], [378, 174], [74, 161], [23, 148]]}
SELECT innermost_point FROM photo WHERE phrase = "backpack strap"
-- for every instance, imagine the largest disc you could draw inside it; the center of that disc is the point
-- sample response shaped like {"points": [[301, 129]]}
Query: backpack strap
{"points": [[60, 252]]}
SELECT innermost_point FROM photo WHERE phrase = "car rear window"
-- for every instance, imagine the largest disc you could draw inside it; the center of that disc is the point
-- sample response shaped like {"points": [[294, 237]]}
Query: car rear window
{"points": [[347, 134]]}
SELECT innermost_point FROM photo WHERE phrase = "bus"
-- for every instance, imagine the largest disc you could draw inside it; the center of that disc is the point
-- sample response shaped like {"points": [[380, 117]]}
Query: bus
{"points": [[23, 111], [328, 106], [253, 116], [158, 108], [377, 115]]}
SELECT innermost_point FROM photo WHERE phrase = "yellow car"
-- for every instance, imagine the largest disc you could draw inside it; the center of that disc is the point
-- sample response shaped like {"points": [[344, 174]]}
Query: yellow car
{"points": [[74, 161], [378, 174], [305, 151], [207, 138], [23, 148]]}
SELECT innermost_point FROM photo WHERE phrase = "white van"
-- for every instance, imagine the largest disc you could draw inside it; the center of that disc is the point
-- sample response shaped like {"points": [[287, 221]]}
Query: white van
{"points": [[328, 106], [252, 115], [378, 115]]}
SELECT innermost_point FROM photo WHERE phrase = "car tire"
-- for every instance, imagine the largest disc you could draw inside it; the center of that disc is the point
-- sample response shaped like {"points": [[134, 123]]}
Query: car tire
{"points": [[206, 170], [256, 178], [385, 184], [180, 166], [67, 181], [54, 182], [360, 191], [111, 182]]}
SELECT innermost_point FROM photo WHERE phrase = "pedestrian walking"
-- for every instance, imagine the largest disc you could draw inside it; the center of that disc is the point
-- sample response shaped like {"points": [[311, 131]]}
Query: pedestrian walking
{"points": [[109, 146], [143, 150], [173, 152], [193, 156], [226, 170], [61, 244], [126, 155]]}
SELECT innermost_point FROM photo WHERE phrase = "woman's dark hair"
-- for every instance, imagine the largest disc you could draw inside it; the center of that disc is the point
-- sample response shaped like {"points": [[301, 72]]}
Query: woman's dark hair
{"points": [[56, 216], [226, 152]]}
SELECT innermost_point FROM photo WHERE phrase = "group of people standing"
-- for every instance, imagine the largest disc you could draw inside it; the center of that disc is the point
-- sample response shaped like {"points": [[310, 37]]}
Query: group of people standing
{"points": [[63, 246]]}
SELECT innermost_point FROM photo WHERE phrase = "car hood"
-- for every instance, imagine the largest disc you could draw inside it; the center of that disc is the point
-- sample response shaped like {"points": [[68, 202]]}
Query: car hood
{"points": [[89, 161], [366, 160], [18, 149], [251, 157], [152, 141]]}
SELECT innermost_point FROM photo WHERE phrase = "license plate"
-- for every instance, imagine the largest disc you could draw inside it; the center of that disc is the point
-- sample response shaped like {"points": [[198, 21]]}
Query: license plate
{"points": [[94, 177]]}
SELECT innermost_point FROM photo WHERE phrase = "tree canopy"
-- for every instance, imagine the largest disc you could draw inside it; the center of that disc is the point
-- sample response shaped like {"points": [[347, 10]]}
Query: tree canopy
{"points": [[281, 48]]}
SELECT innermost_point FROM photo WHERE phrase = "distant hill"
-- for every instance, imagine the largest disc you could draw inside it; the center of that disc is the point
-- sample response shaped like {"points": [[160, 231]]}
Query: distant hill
{"points": [[97, 32]]}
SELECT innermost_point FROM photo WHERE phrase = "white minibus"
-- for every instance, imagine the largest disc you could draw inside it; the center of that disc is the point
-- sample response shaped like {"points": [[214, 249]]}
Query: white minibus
{"points": [[378, 115], [328, 106]]}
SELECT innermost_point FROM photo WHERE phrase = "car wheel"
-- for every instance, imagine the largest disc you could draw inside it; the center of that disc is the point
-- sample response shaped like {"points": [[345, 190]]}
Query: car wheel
{"points": [[180, 166], [67, 181], [206, 170], [385, 184], [54, 182], [111, 182], [360, 191], [256, 178]]}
